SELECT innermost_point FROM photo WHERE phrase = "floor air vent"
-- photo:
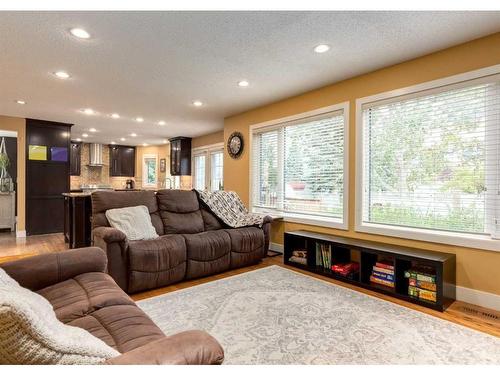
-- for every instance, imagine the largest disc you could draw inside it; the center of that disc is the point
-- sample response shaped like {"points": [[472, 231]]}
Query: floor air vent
{"points": [[484, 314]]}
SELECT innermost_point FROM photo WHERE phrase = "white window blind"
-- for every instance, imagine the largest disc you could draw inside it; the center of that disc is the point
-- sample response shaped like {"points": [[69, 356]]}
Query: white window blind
{"points": [[298, 167], [431, 160], [199, 171], [216, 166]]}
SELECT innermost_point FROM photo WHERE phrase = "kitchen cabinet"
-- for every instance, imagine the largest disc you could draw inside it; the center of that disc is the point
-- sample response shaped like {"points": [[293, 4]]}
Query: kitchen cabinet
{"points": [[75, 153], [122, 161], [47, 177], [180, 156]]}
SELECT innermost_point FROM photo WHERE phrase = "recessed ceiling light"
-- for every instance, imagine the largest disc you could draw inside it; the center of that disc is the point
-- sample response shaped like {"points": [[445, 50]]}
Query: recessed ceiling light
{"points": [[115, 115], [22, 102], [197, 103], [133, 135], [165, 141], [88, 111], [122, 139], [243, 83], [78, 139], [113, 142], [61, 74], [139, 119], [85, 135], [80, 33], [321, 48], [93, 130], [161, 123], [144, 144]]}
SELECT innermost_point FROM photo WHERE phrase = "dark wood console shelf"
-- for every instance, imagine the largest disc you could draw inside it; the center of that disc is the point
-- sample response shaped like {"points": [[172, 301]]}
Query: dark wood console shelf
{"points": [[367, 253]]}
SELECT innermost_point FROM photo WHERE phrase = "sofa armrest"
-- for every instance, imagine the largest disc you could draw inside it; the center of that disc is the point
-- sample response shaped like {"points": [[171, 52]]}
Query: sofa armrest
{"points": [[115, 244], [109, 234], [267, 219], [185, 348], [40, 271]]}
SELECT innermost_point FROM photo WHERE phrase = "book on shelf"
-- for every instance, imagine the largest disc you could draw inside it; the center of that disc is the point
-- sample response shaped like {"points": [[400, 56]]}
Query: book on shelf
{"points": [[383, 270], [385, 276], [299, 260], [384, 265], [346, 269], [377, 280], [422, 294], [323, 255]]}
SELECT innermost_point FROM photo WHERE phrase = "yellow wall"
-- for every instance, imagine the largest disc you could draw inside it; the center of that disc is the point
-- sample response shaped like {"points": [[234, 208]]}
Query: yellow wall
{"points": [[161, 152], [208, 139], [18, 125], [476, 269]]}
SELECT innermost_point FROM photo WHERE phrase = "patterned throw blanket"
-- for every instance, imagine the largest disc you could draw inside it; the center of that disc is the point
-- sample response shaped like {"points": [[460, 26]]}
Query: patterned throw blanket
{"points": [[229, 208]]}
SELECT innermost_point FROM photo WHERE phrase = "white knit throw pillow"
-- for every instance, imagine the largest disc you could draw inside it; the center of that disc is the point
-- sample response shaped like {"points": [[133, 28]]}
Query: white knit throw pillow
{"points": [[135, 222], [31, 334]]}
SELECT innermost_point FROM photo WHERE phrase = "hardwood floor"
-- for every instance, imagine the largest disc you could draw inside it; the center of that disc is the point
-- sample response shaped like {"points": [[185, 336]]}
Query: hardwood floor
{"points": [[472, 316], [13, 248]]}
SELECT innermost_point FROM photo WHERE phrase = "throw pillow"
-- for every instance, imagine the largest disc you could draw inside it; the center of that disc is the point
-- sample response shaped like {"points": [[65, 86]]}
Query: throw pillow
{"points": [[135, 222], [31, 334]]}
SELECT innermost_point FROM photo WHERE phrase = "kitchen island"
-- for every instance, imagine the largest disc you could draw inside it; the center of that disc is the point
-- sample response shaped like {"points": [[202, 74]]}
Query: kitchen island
{"points": [[77, 217]]}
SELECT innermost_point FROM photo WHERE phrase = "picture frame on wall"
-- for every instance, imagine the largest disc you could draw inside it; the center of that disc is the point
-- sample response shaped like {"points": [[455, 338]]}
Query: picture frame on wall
{"points": [[163, 165]]}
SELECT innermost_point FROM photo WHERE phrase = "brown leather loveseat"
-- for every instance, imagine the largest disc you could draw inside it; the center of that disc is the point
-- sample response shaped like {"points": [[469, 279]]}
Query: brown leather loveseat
{"points": [[192, 242], [83, 295]]}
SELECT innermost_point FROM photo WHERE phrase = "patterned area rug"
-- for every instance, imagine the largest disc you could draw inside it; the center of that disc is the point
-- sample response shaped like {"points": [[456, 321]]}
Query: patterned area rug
{"points": [[277, 316]]}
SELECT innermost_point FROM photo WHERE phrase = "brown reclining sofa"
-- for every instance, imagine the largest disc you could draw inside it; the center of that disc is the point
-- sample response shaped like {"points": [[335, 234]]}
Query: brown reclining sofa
{"points": [[83, 295], [192, 242]]}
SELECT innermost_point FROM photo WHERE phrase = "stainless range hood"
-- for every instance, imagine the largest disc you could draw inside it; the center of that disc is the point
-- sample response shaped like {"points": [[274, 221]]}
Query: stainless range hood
{"points": [[95, 155]]}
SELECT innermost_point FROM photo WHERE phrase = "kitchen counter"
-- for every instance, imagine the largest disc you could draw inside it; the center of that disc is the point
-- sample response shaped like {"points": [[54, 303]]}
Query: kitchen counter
{"points": [[77, 195]]}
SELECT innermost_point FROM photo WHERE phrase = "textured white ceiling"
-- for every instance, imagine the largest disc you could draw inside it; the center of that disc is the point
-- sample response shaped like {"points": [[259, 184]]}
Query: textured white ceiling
{"points": [[154, 64]]}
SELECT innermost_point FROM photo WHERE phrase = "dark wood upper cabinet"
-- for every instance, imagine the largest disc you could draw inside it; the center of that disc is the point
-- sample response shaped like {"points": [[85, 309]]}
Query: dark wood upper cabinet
{"points": [[180, 156], [75, 159], [122, 161]]}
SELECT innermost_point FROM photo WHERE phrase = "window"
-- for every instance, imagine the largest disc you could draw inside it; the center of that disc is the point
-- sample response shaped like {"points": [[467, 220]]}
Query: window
{"points": [[149, 172], [298, 167], [199, 171], [208, 167], [430, 162], [216, 170]]}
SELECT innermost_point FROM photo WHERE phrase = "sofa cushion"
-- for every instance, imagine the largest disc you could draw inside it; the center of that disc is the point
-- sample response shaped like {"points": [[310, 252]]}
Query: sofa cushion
{"points": [[180, 211], [207, 253], [247, 246], [210, 221], [135, 222], [123, 328], [155, 263], [83, 294], [107, 200], [30, 333]]}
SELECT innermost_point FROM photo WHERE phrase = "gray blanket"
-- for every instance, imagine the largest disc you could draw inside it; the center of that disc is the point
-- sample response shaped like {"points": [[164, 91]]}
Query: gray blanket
{"points": [[229, 208]]}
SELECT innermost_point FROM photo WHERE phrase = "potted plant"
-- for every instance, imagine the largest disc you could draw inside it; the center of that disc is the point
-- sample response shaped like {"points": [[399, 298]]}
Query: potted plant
{"points": [[5, 180]]}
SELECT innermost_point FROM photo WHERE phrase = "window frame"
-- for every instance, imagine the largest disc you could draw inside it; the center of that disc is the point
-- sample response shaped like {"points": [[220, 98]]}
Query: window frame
{"points": [[306, 218], [481, 241], [207, 151], [144, 170]]}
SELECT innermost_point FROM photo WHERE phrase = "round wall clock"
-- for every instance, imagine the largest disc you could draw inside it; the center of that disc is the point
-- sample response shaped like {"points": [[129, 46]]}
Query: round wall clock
{"points": [[235, 145]]}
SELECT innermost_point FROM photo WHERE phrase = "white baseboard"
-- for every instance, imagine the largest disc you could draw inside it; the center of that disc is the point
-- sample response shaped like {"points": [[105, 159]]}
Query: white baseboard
{"points": [[478, 297], [276, 247], [20, 233]]}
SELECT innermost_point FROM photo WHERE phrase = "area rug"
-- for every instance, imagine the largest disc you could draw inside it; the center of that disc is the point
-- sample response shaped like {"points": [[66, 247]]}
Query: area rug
{"points": [[277, 316]]}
